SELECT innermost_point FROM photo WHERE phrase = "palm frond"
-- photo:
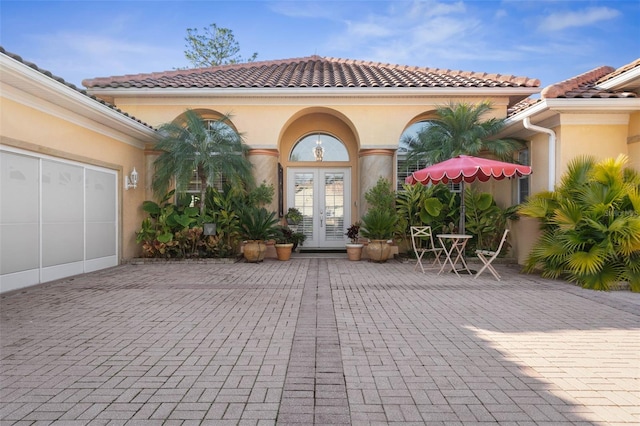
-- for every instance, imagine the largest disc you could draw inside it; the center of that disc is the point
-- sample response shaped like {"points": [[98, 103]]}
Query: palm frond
{"points": [[599, 281], [582, 263]]}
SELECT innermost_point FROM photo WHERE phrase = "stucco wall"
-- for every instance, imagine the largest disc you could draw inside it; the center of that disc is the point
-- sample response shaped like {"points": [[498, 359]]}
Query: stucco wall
{"points": [[605, 138], [633, 141], [375, 121]]}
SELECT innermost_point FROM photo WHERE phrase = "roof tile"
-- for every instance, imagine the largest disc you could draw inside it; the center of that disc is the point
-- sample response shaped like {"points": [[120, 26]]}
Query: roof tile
{"points": [[311, 71], [586, 86]]}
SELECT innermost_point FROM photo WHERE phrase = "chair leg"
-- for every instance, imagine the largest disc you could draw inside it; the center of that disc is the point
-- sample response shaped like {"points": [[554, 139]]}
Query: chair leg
{"points": [[419, 262], [487, 265]]}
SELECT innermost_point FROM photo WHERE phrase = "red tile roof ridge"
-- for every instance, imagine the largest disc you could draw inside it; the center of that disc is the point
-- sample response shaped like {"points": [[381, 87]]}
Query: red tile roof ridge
{"points": [[560, 89]]}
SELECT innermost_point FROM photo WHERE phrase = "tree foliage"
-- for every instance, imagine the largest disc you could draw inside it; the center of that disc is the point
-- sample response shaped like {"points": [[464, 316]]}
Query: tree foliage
{"points": [[214, 46], [459, 129], [212, 149]]}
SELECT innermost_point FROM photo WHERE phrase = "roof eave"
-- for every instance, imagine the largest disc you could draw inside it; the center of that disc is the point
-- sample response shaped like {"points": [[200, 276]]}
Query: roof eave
{"points": [[33, 82], [548, 107], [620, 82]]}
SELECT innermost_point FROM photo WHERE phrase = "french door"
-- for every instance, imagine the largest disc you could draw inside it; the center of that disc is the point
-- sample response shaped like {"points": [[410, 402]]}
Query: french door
{"points": [[324, 198]]}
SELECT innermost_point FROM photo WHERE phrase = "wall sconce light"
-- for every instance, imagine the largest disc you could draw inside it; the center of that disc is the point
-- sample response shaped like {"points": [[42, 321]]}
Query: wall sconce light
{"points": [[131, 181]]}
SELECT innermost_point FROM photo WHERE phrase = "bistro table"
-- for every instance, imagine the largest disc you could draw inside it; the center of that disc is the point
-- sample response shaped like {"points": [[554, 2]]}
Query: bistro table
{"points": [[457, 243]]}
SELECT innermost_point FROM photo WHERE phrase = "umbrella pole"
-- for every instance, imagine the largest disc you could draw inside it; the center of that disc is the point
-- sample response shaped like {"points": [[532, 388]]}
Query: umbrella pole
{"points": [[463, 209]]}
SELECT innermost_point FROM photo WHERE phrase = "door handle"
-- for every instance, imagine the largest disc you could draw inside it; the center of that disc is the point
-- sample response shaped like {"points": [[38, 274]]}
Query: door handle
{"points": [[321, 218]]}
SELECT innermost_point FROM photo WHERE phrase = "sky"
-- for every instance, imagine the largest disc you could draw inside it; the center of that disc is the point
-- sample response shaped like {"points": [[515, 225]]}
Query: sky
{"points": [[550, 40]]}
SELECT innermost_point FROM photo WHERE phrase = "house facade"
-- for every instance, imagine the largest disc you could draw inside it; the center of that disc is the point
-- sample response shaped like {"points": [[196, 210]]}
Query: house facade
{"points": [[320, 130]]}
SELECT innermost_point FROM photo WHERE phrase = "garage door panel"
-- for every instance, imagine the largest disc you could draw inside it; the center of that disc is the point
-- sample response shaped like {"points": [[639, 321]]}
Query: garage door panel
{"points": [[101, 196], [19, 188], [19, 246], [101, 240], [101, 211], [62, 192], [62, 243]]}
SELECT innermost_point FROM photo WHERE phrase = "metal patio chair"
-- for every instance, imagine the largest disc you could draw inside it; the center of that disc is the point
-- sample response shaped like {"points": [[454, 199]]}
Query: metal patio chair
{"points": [[488, 256], [422, 241]]}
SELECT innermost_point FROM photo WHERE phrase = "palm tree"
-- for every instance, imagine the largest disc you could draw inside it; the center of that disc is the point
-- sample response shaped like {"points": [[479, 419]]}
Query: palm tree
{"points": [[591, 225], [210, 147], [457, 130]]}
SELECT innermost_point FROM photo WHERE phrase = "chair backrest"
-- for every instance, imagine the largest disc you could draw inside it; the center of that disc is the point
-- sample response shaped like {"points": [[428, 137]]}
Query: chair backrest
{"points": [[421, 237], [504, 238]]}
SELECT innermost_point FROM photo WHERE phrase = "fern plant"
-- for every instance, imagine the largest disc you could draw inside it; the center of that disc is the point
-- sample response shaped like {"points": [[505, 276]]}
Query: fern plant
{"points": [[591, 225]]}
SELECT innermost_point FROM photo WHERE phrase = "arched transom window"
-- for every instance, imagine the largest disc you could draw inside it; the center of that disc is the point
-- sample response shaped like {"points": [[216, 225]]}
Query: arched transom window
{"points": [[319, 147]]}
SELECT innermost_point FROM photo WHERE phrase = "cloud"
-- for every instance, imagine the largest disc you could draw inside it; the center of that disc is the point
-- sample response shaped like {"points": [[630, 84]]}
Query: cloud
{"points": [[79, 55], [561, 20], [410, 33]]}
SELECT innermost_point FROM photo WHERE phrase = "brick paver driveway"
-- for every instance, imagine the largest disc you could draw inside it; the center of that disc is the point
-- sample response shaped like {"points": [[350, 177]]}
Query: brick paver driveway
{"points": [[317, 340]]}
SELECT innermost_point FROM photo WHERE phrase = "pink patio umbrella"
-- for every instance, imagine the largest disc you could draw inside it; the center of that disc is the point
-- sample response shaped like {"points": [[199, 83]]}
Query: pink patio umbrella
{"points": [[465, 168]]}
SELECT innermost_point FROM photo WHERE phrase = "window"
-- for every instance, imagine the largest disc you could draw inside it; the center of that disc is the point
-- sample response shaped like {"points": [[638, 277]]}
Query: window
{"points": [[523, 182], [403, 167], [318, 147]]}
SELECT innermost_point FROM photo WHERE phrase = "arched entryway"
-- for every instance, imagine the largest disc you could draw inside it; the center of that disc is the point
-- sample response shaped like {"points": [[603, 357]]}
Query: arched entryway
{"points": [[318, 155]]}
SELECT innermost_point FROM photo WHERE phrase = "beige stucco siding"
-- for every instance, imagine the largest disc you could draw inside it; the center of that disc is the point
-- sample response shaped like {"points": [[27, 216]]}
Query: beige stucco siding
{"points": [[633, 141], [597, 135], [376, 122]]}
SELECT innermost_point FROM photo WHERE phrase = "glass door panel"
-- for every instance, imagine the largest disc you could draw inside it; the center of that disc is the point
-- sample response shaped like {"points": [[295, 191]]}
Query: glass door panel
{"points": [[334, 207], [322, 196]]}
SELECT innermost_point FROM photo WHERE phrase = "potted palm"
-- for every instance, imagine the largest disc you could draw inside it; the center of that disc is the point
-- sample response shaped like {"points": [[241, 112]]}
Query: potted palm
{"points": [[257, 225], [354, 247], [285, 240], [378, 226]]}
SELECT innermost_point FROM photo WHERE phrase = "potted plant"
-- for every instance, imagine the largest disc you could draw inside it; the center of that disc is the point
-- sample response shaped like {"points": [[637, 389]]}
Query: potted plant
{"points": [[293, 218], [354, 248], [298, 239], [378, 226], [284, 242], [257, 225]]}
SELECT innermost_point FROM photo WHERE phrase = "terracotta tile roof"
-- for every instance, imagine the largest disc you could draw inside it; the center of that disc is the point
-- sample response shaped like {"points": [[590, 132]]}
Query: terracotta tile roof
{"points": [[70, 85], [581, 86], [585, 86], [620, 70], [522, 105], [309, 72]]}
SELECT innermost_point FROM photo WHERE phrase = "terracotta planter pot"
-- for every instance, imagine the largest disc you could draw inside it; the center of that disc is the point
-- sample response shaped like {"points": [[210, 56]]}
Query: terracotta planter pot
{"points": [[254, 251], [354, 251], [283, 251], [378, 250]]}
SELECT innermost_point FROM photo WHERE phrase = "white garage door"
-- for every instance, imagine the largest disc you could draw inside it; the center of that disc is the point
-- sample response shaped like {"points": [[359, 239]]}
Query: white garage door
{"points": [[57, 219]]}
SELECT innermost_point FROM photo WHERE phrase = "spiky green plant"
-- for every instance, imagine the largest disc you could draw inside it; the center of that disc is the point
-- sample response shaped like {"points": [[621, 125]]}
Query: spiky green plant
{"points": [[211, 148], [591, 225]]}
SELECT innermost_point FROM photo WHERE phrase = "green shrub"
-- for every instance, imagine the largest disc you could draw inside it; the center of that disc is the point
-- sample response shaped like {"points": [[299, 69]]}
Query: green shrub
{"points": [[591, 225], [379, 224]]}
